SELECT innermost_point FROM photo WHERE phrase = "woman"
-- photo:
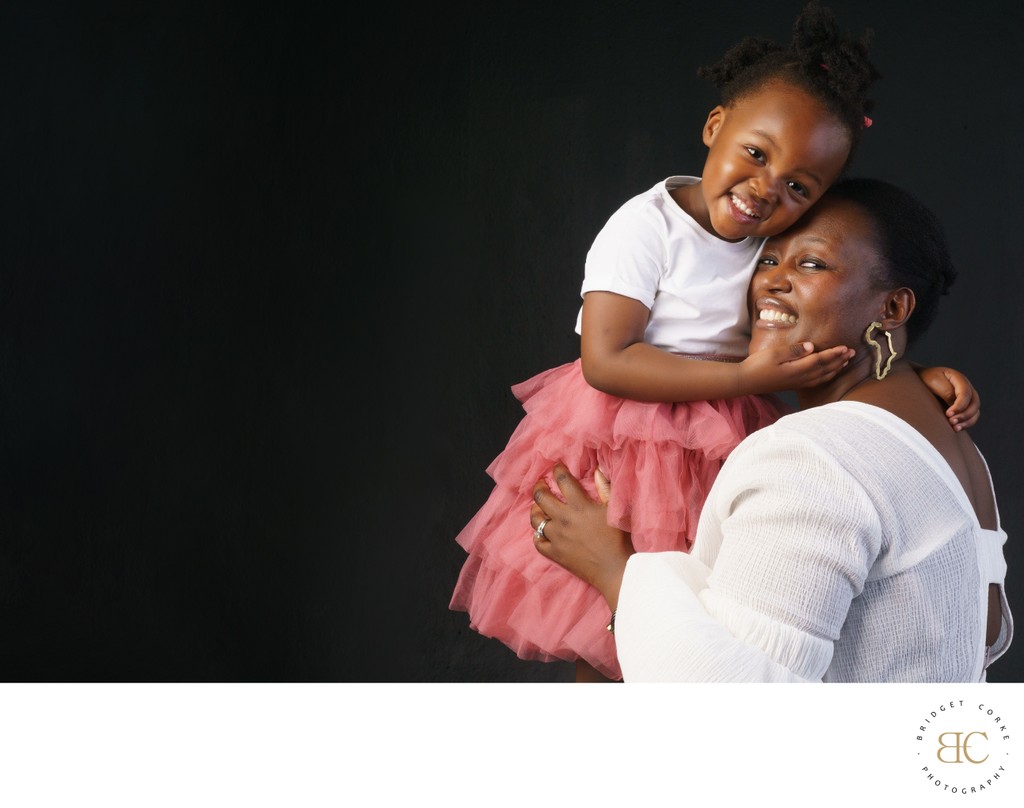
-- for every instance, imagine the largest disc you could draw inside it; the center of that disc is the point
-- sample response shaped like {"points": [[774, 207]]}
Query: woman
{"points": [[855, 540]]}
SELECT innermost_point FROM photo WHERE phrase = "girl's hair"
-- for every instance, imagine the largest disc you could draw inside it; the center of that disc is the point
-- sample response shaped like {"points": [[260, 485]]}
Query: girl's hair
{"points": [[911, 242], [819, 60]]}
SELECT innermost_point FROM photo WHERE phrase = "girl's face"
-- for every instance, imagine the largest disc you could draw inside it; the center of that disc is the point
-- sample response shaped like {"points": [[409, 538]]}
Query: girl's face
{"points": [[816, 281], [771, 155]]}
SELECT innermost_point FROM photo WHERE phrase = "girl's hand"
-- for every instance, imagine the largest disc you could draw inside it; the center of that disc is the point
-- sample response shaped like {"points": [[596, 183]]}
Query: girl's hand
{"points": [[957, 391], [577, 535], [791, 367]]}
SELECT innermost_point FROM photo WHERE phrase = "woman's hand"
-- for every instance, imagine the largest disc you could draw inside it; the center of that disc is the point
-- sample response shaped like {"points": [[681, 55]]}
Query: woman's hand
{"points": [[577, 535]]}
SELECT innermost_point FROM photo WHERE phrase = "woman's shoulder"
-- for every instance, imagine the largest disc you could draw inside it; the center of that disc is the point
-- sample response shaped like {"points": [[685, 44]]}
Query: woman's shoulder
{"points": [[865, 441], [843, 431], [847, 415]]}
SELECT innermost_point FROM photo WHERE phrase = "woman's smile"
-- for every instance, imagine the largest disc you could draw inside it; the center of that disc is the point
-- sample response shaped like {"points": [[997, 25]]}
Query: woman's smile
{"points": [[773, 314], [814, 283]]}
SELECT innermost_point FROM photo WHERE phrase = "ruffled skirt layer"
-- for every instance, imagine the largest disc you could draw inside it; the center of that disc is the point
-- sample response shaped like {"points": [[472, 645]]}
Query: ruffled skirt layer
{"points": [[662, 460]]}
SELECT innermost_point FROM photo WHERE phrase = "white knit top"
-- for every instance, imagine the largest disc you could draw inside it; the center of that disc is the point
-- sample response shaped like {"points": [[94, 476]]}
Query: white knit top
{"points": [[695, 284], [836, 545]]}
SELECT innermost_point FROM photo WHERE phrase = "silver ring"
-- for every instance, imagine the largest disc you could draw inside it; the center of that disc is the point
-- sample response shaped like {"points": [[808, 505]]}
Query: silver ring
{"points": [[539, 532]]}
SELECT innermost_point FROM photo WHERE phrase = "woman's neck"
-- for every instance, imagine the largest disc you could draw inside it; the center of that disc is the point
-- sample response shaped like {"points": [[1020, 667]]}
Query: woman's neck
{"points": [[854, 380]]}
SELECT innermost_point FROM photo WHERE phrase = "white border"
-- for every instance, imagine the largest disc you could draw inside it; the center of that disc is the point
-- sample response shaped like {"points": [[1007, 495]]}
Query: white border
{"points": [[479, 745]]}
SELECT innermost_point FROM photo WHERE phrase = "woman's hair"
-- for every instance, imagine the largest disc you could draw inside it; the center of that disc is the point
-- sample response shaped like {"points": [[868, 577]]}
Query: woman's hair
{"points": [[819, 60], [910, 241]]}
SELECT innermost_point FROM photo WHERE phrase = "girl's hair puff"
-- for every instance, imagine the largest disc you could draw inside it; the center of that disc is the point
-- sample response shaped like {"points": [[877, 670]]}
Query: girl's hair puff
{"points": [[819, 59]]}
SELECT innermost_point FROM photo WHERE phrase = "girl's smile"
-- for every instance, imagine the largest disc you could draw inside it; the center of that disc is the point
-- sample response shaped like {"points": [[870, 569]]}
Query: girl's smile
{"points": [[744, 212], [771, 155]]}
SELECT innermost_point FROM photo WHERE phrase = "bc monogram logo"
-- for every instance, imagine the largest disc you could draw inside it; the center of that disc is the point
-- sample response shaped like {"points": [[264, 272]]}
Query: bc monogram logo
{"points": [[963, 747], [961, 744]]}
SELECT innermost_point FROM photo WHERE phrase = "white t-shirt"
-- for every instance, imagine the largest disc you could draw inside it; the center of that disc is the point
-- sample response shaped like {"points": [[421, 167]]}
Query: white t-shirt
{"points": [[694, 283], [835, 545]]}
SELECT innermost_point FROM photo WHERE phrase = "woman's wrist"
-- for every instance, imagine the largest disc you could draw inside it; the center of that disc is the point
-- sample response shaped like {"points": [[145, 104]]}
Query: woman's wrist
{"points": [[611, 583]]}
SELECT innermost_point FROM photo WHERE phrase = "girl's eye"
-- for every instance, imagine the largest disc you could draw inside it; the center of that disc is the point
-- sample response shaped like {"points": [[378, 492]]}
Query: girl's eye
{"points": [[757, 154], [797, 188], [767, 261], [812, 263]]}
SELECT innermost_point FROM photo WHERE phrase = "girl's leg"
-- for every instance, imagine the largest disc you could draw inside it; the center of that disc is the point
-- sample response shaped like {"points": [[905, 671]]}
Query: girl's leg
{"points": [[585, 672]]}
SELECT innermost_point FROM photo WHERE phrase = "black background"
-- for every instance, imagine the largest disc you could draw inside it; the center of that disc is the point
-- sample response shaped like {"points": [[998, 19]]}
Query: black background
{"points": [[270, 269]]}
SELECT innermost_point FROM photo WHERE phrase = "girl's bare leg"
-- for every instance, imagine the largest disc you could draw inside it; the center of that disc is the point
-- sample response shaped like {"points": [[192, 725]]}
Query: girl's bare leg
{"points": [[585, 672]]}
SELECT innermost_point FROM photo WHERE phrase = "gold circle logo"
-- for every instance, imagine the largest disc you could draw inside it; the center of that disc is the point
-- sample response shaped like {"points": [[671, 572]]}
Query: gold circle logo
{"points": [[962, 746]]}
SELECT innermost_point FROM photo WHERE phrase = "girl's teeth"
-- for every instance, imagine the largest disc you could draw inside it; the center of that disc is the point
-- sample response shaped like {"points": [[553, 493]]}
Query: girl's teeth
{"points": [[739, 203], [775, 316]]}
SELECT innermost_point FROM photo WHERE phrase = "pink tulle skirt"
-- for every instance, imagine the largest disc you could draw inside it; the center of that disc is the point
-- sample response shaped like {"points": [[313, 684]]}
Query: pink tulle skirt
{"points": [[661, 459]]}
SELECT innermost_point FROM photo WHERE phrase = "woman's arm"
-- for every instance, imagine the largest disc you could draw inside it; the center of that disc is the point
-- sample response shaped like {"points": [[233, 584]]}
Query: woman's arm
{"points": [[785, 547], [664, 633], [617, 361]]}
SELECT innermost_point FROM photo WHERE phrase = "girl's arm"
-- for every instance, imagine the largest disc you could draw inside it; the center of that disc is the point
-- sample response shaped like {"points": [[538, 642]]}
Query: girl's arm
{"points": [[617, 361], [963, 401]]}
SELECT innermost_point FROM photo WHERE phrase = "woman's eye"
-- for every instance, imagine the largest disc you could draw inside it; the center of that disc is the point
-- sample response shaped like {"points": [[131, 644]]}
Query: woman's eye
{"points": [[797, 188], [757, 154]]}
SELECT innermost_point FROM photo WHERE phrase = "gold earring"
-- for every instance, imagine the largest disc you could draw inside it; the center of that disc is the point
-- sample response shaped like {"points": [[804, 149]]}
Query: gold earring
{"points": [[879, 372]]}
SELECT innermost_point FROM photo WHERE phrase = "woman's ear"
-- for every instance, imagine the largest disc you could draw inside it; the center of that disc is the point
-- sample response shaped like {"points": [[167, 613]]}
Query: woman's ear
{"points": [[713, 124], [899, 305]]}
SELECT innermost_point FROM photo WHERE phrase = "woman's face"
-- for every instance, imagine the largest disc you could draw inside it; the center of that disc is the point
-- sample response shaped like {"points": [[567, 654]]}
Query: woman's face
{"points": [[815, 281]]}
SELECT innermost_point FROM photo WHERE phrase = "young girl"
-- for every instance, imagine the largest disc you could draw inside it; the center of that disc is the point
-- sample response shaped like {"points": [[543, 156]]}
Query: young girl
{"points": [[662, 392]]}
